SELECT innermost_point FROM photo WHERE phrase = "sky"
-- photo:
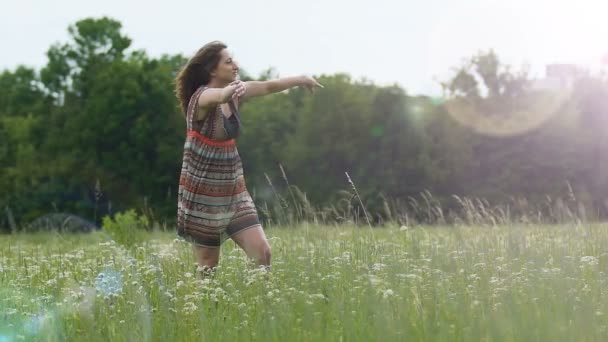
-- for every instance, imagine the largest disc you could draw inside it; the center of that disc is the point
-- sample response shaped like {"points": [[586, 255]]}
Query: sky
{"points": [[414, 44]]}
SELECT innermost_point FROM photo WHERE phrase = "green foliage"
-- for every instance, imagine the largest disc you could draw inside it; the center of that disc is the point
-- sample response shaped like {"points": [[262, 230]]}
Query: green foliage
{"points": [[101, 113], [126, 228]]}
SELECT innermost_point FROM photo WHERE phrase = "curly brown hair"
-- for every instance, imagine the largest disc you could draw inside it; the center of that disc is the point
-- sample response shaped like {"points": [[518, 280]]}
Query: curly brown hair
{"points": [[197, 71]]}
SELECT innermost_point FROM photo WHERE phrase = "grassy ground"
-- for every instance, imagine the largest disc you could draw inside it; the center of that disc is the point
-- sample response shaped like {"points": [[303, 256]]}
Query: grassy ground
{"points": [[512, 283]]}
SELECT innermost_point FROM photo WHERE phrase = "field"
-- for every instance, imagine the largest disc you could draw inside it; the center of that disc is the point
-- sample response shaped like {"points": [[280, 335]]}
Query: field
{"points": [[344, 283]]}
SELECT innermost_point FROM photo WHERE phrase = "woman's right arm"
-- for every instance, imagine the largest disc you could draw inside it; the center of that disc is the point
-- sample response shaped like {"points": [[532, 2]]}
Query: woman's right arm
{"points": [[211, 97]]}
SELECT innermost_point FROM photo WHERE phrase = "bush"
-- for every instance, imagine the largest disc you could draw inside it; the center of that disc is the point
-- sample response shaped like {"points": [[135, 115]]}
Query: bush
{"points": [[126, 228]]}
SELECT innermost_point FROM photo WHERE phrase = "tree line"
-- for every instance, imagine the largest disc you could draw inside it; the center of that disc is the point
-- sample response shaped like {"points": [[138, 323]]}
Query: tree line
{"points": [[97, 130]]}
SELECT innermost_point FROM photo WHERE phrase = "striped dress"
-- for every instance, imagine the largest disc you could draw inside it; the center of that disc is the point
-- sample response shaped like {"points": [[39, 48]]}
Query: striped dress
{"points": [[212, 202]]}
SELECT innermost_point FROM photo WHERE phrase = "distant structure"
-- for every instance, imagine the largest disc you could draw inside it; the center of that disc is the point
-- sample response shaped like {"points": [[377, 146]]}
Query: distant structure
{"points": [[559, 77], [62, 222]]}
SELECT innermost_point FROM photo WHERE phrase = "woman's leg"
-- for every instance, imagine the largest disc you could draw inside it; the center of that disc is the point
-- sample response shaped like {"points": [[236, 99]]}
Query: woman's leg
{"points": [[207, 259], [253, 242]]}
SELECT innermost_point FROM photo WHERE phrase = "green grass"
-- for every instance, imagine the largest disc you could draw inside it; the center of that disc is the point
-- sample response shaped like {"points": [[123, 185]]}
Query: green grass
{"points": [[512, 283]]}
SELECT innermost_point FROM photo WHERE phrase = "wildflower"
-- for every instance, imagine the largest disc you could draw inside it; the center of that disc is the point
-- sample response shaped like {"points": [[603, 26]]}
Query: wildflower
{"points": [[190, 307], [589, 260], [387, 293], [377, 267]]}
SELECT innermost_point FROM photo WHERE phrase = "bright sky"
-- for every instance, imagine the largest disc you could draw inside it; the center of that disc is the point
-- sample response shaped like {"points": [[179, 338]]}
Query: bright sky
{"points": [[412, 43]]}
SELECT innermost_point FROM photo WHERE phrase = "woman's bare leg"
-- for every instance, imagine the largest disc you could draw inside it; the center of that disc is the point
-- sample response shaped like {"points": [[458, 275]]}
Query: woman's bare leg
{"points": [[207, 259], [253, 242]]}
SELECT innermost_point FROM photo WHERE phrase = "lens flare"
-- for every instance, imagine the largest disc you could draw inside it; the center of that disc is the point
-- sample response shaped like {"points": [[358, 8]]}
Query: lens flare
{"points": [[508, 117], [109, 282], [25, 315], [46, 310]]}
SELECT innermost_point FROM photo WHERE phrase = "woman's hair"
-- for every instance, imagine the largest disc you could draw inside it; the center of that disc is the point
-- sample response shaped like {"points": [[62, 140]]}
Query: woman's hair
{"points": [[197, 72]]}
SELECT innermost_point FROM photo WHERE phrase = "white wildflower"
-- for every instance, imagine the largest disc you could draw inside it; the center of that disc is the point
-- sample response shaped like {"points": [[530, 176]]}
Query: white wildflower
{"points": [[317, 296], [377, 267], [410, 276], [387, 293], [589, 260], [190, 307]]}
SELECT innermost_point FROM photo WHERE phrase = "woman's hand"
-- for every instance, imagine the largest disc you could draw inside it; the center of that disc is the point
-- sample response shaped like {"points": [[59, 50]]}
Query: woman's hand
{"points": [[310, 83], [232, 91], [239, 88]]}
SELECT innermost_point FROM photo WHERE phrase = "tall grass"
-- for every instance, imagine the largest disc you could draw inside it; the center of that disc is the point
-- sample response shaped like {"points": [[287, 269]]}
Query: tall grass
{"points": [[329, 283], [421, 209]]}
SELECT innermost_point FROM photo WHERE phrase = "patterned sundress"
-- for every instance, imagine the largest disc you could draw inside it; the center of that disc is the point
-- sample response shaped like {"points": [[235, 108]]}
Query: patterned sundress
{"points": [[212, 202]]}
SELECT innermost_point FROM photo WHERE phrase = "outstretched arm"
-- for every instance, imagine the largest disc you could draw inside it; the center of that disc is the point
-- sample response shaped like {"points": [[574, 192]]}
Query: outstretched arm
{"points": [[261, 88], [214, 96]]}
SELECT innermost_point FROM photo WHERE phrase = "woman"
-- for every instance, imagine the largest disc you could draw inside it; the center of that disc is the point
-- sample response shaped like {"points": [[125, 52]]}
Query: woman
{"points": [[213, 201]]}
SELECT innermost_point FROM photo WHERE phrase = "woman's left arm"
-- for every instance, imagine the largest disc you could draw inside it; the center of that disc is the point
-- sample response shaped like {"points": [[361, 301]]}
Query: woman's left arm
{"points": [[261, 88]]}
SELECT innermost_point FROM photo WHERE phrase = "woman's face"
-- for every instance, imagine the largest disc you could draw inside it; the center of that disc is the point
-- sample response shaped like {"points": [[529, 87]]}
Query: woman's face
{"points": [[227, 69]]}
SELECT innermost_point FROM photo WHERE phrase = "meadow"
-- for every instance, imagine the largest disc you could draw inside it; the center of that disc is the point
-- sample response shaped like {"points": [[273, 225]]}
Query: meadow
{"points": [[517, 282]]}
